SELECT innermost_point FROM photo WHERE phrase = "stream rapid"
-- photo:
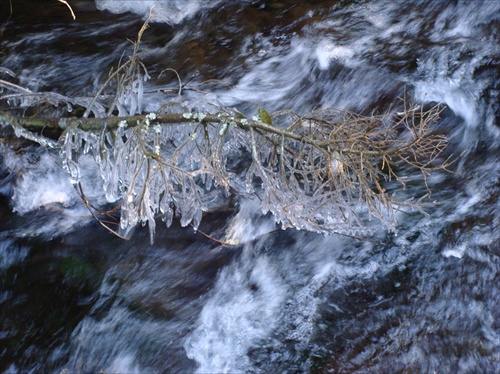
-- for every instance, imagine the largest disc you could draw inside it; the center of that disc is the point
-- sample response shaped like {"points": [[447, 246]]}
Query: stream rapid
{"points": [[75, 299]]}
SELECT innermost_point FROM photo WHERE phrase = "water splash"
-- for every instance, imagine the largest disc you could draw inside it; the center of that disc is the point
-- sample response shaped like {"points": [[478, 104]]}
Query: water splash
{"points": [[243, 310], [42, 186], [248, 224], [169, 11]]}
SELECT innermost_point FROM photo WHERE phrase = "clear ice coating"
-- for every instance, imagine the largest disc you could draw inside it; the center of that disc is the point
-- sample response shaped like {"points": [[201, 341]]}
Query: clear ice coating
{"points": [[156, 170], [180, 170]]}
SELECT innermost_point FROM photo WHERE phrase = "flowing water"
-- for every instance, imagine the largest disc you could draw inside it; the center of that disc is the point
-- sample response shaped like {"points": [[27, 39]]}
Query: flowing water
{"points": [[74, 298]]}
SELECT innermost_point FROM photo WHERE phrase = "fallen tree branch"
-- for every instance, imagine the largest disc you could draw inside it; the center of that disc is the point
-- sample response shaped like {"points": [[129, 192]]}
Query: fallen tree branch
{"points": [[98, 124], [325, 171]]}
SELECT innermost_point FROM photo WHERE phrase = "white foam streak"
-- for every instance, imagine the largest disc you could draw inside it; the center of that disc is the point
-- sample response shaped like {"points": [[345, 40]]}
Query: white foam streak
{"points": [[274, 78], [271, 293], [46, 185], [41, 183], [124, 364], [10, 254], [242, 311], [448, 91], [457, 251], [326, 52], [247, 224], [169, 11]]}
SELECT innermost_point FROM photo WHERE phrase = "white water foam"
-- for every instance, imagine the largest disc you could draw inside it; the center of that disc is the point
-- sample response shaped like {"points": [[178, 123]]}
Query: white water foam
{"points": [[275, 293], [299, 76], [124, 364], [41, 183], [242, 311], [326, 52], [278, 75], [248, 224], [169, 11]]}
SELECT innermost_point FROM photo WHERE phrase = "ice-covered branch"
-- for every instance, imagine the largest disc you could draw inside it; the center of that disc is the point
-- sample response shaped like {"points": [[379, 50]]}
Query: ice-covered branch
{"points": [[331, 133], [325, 171]]}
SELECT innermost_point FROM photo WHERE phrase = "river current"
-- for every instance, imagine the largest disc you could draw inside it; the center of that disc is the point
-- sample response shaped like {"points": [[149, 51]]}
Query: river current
{"points": [[75, 299]]}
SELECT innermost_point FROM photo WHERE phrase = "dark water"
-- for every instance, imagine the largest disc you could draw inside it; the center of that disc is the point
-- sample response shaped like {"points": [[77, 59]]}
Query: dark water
{"points": [[73, 298]]}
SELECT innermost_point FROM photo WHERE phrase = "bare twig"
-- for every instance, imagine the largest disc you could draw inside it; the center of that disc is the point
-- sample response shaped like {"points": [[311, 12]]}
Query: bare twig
{"points": [[69, 7]]}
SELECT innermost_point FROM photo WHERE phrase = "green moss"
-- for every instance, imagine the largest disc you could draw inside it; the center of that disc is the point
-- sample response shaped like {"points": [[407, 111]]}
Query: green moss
{"points": [[72, 267]]}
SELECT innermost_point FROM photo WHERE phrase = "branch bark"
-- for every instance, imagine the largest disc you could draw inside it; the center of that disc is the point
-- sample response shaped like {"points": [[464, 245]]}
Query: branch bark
{"points": [[97, 124]]}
